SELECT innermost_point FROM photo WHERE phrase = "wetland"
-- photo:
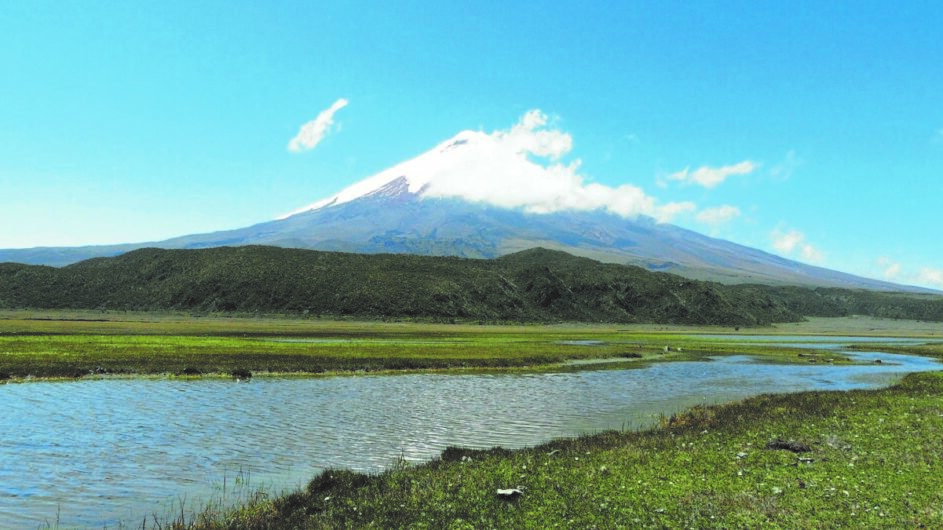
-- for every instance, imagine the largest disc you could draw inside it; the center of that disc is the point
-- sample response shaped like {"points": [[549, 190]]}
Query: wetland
{"points": [[102, 450]]}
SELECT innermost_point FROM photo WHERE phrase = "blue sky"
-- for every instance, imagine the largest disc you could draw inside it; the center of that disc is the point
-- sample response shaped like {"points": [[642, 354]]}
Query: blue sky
{"points": [[813, 130]]}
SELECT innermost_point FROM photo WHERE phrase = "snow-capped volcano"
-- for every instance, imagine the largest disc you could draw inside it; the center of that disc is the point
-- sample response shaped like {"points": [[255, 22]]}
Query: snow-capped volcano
{"points": [[435, 169], [484, 195], [516, 168]]}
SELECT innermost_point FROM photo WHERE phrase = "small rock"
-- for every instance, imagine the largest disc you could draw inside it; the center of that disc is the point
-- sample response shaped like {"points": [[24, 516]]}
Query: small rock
{"points": [[741, 455], [795, 447], [511, 493]]}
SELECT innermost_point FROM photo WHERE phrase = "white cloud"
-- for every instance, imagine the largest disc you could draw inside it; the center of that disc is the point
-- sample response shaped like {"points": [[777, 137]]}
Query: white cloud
{"points": [[504, 169], [710, 177], [519, 167], [718, 215], [894, 271], [793, 242], [787, 242], [890, 268], [932, 277], [528, 136], [311, 133], [785, 169], [810, 253]]}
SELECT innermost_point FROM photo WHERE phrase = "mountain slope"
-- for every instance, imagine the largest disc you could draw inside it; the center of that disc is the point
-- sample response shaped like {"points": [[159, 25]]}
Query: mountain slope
{"points": [[427, 206], [394, 220], [537, 285]]}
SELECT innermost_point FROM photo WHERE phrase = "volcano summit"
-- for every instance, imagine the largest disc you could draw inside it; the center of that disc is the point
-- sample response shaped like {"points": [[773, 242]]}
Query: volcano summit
{"points": [[482, 195]]}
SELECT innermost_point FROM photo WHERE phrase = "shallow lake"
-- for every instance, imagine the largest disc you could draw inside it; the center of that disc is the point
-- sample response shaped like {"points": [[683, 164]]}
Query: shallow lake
{"points": [[110, 452]]}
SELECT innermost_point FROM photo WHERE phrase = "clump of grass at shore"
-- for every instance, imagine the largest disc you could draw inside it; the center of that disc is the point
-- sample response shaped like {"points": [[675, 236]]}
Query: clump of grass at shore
{"points": [[873, 461]]}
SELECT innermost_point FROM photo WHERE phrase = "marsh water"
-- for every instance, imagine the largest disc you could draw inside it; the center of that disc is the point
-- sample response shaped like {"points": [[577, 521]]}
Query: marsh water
{"points": [[107, 453]]}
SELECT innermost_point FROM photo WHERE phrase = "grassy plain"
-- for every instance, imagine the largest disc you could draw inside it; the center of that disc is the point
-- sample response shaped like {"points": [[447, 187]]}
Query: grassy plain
{"points": [[873, 458], [83, 344]]}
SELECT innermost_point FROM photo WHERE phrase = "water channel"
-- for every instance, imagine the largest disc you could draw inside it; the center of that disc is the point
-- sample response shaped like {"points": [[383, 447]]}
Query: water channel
{"points": [[107, 453]]}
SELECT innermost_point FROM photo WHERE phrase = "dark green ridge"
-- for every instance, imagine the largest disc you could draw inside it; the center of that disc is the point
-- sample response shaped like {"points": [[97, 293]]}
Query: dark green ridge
{"points": [[536, 285]]}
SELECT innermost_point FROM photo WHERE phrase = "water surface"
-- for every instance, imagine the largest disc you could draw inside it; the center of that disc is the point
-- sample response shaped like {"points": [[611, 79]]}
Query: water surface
{"points": [[99, 452]]}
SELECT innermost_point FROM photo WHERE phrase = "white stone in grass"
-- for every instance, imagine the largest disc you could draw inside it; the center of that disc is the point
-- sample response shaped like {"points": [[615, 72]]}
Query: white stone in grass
{"points": [[511, 493]]}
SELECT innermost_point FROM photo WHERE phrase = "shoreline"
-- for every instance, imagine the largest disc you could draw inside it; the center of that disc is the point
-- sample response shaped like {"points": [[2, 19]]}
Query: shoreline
{"points": [[804, 460]]}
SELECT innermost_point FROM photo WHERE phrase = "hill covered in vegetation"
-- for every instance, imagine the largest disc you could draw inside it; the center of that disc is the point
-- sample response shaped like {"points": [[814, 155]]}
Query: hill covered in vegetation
{"points": [[536, 285]]}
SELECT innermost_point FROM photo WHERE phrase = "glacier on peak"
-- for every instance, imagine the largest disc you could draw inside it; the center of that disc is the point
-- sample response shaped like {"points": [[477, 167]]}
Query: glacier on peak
{"points": [[517, 168], [418, 172]]}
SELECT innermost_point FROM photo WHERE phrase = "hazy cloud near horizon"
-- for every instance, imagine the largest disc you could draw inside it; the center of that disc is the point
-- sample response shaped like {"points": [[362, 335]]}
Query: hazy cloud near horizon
{"points": [[894, 271], [931, 276], [719, 215], [794, 242]]}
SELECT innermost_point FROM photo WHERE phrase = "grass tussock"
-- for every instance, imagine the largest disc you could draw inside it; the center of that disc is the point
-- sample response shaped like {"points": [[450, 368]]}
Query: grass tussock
{"points": [[873, 462]]}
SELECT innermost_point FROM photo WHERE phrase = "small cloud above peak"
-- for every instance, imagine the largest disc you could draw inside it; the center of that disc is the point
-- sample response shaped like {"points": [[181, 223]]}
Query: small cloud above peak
{"points": [[710, 177], [310, 134]]}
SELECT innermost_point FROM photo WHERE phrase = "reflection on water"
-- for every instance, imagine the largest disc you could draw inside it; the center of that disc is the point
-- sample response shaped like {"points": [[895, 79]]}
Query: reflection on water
{"points": [[100, 452]]}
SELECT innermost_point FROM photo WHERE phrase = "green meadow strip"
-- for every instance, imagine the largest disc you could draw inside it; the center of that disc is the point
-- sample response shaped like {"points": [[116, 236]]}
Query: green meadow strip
{"points": [[73, 345]]}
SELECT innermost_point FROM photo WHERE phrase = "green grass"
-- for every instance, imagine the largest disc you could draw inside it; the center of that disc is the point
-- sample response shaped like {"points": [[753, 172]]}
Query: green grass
{"points": [[874, 463], [70, 345]]}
